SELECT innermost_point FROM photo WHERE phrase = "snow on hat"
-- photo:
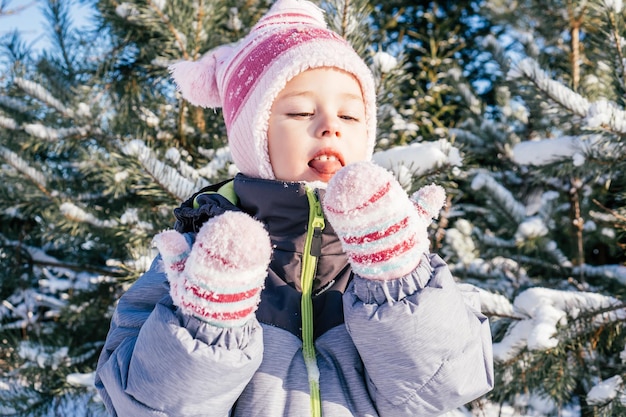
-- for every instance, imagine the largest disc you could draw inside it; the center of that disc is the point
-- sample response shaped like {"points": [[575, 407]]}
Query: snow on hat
{"points": [[245, 78]]}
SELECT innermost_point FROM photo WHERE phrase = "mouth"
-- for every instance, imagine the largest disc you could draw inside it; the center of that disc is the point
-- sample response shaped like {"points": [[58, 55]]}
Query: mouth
{"points": [[326, 163]]}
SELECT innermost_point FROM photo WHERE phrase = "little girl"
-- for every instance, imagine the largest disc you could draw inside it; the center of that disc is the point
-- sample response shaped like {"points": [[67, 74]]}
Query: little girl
{"points": [[304, 286]]}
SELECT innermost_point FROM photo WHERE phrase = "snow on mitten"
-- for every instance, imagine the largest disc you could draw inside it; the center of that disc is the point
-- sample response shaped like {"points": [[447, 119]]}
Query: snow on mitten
{"points": [[382, 231], [220, 277]]}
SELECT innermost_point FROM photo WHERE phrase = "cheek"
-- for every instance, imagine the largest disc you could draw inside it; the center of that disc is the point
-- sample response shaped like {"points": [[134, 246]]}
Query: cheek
{"points": [[359, 147]]}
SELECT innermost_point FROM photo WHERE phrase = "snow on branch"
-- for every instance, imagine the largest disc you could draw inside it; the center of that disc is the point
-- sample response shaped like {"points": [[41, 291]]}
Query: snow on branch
{"points": [[75, 213], [599, 114], [37, 91], [617, 272], [13, 103], [547, 151], [605, 391], [500, 194], [176, 184], [418, 159], [48, 133], [22, 166], [615, 6], [220, 159], [493, 304], [8, 123], [543, 310], [566, 97], [43, 356], [606, 114]]}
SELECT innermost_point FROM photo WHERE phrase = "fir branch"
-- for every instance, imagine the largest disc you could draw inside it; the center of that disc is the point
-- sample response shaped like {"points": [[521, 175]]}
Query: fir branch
{"points": [[545, 309], [37, 177], [465, 136], [51, 134], [116, 273], [75, 213], [158, 8], [491, 43], [199, 27], [546, 264], [495, 241], [344, 18], [473, 103], [617, 38], [5, 11], [499, 269], [608, 210], [37, 91], [170, 180], [8, 123], [617, 272], [556, 91], [37, 256], [608, 115], [501, 195], [497, 305], [14, 103]]}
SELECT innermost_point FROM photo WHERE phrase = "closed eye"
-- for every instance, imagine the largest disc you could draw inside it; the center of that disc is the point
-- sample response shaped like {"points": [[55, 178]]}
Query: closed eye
{"points": [[348, 117], [303, 114]]}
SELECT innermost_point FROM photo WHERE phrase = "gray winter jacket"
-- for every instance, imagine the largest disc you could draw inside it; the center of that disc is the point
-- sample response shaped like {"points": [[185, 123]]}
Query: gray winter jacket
{"points": [[413, 347]]}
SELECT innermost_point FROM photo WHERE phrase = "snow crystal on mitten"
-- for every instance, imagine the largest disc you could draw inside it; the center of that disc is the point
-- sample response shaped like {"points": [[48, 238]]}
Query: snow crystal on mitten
{"points": [[223, 275], [382, 231]]}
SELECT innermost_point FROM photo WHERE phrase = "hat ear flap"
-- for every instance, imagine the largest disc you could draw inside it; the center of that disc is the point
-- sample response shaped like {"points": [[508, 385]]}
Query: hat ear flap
{"points": [[197, 80]]}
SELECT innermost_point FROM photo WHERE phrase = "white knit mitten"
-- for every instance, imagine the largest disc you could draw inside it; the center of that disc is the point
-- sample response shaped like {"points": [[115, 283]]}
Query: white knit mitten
{"points": [[382, 231], [219, 278]]}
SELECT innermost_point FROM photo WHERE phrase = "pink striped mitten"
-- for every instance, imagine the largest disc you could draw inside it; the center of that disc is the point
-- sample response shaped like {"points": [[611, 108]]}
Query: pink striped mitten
{"points": [[382, 231], [219, 278]]}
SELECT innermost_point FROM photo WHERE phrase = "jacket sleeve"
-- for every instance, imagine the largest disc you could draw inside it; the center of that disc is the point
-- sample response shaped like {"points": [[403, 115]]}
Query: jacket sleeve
{"points": [[157, 361], [426, 349]]}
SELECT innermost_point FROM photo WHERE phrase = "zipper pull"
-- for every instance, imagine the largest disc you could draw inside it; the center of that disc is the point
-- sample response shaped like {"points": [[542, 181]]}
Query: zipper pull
{"points": [[317, 222], [316, 242]]}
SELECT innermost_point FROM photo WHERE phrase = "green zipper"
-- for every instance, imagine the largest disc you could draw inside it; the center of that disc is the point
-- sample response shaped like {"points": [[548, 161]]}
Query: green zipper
{"points": [[312, 250]]}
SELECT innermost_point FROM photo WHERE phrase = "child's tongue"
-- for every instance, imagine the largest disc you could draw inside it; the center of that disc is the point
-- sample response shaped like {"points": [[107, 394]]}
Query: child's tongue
{"points": [[325, 167]]}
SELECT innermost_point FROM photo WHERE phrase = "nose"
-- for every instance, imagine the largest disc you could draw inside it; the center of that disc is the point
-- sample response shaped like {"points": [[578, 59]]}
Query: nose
{"points": [[328, 126]]}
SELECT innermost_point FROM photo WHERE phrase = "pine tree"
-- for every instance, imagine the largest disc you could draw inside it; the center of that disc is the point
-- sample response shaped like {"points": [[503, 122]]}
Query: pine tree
{"points": [[60, 233], [538, 221]]}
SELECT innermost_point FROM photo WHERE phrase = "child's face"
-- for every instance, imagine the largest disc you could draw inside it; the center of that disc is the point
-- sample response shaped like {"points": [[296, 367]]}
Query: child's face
{"points": [[317, 126]]}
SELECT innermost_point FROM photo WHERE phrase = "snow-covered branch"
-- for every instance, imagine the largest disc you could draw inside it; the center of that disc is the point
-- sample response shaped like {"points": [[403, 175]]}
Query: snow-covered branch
{"points": [[14, 103], [608, 115], [177, 185], [566, 97], [75, 213], [616, 272], [484, 181], [51, 134], [8, 123], [419, 158], [22, 166], [544, 309], [599, 114], [38, 91]]}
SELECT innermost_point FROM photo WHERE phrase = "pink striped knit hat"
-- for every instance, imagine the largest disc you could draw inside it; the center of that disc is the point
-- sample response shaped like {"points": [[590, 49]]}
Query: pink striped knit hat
{"points": [[245, 78]]}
